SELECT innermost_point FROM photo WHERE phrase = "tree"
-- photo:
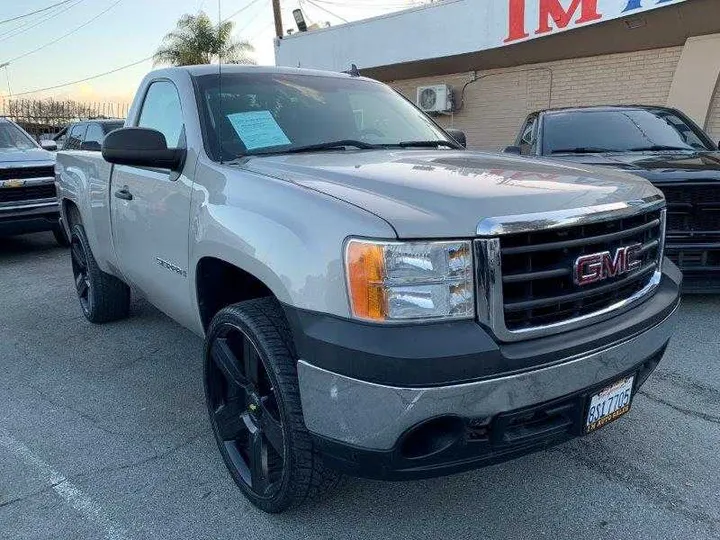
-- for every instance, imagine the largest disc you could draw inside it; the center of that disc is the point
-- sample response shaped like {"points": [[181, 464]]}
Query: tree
{"points": [[196, 40]]}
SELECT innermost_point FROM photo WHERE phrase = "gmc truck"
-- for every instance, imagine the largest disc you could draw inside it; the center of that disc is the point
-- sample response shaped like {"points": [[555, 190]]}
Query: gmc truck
{"points": [[375, 299]]}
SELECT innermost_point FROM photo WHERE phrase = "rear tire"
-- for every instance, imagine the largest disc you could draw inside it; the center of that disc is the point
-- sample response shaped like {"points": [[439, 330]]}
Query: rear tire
{"points": [[253, 399], [103, 297]]}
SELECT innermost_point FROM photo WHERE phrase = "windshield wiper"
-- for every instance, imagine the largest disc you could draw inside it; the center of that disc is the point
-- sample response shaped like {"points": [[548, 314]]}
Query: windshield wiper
{"points": [[425, 144], [659, 147], [332, 145], [582, 150]]}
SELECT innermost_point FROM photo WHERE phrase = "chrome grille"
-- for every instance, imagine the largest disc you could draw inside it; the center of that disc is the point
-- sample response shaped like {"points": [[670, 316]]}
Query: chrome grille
{"points": [[525, 275]]}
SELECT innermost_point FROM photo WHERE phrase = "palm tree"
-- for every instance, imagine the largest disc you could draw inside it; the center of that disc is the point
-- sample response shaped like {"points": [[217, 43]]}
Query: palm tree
{"points": [[196, 40]]}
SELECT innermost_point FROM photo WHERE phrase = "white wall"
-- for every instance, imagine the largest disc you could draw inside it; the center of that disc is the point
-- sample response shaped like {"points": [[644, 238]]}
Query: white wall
{"points": [[440, 29]]}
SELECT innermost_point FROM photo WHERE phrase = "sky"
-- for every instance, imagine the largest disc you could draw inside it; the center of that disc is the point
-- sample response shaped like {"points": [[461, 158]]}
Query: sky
{"points": [[125, 31]]}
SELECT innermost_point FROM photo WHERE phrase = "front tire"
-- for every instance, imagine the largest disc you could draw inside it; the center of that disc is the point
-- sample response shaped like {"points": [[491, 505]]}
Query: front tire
{"points": [[253, 399], [103, 297]]}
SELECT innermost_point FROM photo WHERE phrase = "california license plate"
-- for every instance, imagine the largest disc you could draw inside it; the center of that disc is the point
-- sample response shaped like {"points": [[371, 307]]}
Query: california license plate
{"points": [[609, 404]]}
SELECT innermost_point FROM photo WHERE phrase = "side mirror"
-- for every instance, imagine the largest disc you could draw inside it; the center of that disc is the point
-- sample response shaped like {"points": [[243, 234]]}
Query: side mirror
{"points": [[458, 135], [49, 145], [141, 147], [513, 150], [92, 146]]}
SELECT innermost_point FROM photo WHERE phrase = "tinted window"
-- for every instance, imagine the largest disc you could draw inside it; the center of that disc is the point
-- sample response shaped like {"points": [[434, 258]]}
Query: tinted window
{"points": [[75, 139], [110, 126], [618, 131], [272, 112], [527, 138], [161, 111], [12, 138], [94, 135]]}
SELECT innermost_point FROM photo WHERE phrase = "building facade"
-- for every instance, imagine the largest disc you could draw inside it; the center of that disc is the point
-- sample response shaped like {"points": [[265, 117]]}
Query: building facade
{"points": [[506, 58]]}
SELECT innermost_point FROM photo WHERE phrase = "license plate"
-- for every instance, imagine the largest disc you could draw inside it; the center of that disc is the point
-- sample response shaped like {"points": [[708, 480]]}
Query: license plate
{"points": [[609, 404]]}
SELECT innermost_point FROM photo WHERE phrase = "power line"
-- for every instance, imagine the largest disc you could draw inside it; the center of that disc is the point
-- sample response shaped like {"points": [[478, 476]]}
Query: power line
{"points": [[36, 11], [326, 11], [83, 25], [85, 79], [32, 24], [240, 10]]}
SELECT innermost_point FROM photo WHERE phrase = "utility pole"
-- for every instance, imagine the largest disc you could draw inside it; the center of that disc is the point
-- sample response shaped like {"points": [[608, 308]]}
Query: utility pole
{"points": [[278, 18], [7, 76]]}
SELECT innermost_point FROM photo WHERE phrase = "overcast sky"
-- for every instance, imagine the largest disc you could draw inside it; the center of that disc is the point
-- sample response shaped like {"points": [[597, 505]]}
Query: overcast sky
{"points": [[132, 30]]}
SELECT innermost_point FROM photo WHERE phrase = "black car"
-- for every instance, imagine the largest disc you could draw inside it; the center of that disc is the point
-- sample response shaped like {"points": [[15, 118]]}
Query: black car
{"points": [[86, 135], [660, 144]]}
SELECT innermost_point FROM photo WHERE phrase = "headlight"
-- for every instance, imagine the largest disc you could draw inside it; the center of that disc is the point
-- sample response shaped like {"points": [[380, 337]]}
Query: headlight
{"points": [[396, 281]]}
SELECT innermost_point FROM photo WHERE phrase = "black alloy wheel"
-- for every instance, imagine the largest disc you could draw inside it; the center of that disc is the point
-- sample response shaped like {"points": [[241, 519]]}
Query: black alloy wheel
{"points": [[253, 399], [244, 411], [81, 274]]}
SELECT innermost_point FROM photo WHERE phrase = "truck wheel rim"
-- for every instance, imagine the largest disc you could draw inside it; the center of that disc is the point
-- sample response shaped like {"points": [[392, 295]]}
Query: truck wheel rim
{"points": [[80, 272], [244, 412]]}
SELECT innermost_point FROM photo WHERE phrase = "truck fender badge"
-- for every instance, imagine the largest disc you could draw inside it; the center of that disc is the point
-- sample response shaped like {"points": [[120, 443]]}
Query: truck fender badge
{"points": [[169, 266], [603, 265]]}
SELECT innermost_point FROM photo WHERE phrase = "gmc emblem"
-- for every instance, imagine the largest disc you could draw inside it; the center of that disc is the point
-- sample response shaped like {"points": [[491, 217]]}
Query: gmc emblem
{"points": [[599, 266]]}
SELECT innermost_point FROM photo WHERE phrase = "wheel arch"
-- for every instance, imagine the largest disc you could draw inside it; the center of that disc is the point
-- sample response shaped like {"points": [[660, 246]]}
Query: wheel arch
{"points": [[220, 283]]}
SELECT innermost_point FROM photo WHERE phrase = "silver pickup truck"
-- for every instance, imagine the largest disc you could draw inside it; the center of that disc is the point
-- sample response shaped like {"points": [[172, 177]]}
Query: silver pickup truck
{"points": [[375, 299]]}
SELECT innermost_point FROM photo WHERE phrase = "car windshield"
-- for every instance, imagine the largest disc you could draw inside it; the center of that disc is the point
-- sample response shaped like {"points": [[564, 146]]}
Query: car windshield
{"points": [[11, 138], [262, 113], [622, 130]]}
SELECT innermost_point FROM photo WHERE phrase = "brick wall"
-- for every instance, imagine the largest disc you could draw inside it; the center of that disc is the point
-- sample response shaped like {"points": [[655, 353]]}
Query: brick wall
{"points": [[497, 102], [713, 121]]}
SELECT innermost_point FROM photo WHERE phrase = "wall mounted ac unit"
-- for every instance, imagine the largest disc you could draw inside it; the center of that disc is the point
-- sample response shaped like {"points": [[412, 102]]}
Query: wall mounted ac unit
{"points": [[435, 99]]}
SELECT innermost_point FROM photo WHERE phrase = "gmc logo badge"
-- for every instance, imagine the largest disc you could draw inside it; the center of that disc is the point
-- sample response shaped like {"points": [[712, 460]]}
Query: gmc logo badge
{"points": [[600, 266]]}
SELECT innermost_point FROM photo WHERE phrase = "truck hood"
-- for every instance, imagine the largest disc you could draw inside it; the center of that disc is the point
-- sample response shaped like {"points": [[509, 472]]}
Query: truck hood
{"points": [[14, 156], [444, 193], [659, 167]]}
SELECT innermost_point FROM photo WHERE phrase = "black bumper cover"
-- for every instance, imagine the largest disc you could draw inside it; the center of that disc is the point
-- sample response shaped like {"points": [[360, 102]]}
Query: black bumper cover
{"points": [[15, 221]]}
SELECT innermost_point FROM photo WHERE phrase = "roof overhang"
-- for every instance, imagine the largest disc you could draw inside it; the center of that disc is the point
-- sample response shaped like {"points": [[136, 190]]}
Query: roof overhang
{"points": [[464, 35]]}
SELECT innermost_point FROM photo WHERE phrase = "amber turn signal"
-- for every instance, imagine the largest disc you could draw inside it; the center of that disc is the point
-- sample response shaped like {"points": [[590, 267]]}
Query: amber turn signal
{"points": [[366, 269]]}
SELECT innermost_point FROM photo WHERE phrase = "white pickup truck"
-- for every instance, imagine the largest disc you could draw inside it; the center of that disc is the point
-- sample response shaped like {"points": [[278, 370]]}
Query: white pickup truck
{"points": [[374, 298]]}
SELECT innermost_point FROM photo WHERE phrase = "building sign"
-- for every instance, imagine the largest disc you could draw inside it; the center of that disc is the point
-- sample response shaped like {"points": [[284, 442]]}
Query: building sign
{"points": [[557, 14], [448, 28]]}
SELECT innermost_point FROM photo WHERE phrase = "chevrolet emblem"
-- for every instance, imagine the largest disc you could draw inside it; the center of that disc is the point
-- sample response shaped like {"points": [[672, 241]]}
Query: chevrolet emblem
{"points": [[12, 183]]}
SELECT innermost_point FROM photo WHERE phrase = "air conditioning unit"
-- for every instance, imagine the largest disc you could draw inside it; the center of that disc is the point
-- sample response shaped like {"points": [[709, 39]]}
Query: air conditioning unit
{"points": [[435, 99]]}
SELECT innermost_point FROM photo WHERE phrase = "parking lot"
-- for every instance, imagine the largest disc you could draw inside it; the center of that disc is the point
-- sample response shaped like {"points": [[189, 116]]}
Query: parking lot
{"points": [[103, 434]]}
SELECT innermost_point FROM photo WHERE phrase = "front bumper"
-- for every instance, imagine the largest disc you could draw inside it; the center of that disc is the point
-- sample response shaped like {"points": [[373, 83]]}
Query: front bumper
{"points": [[29, 217], [370, 428]]}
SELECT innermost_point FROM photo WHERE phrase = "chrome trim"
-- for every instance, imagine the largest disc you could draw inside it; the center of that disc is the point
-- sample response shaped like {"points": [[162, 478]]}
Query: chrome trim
{"points": [[11, 183], [490, 302], [40, 203], [372, 415], [519, 223]]}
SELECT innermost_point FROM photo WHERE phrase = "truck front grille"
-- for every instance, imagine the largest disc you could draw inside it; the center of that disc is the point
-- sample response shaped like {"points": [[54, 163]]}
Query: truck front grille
{"points": [[693, 208], [537, 269], [27, 193], [529, 274]]}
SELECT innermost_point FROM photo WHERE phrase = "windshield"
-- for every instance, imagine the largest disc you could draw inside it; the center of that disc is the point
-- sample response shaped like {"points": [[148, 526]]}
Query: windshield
{"points": [[619, 130], [270, 113], [11, 138]]}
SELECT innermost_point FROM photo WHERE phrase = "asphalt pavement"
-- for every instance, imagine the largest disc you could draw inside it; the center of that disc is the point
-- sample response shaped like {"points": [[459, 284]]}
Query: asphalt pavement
{"points": [[103, 434]]}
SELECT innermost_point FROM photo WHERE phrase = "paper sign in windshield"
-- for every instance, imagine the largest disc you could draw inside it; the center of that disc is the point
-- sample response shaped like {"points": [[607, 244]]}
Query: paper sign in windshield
{"points": [[258, 129]]}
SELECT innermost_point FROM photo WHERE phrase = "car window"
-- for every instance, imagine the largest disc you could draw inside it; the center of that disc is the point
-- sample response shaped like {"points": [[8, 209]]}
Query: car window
{"points": [[94, 134], [107, 127], [527, 138], [161, 111], [12, 138], [276, 112], [618, 131], [76, 136]]}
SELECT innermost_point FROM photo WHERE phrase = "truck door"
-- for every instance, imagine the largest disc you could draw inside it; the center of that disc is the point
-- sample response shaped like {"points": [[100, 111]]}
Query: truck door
{"points": [[150, 210]]}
